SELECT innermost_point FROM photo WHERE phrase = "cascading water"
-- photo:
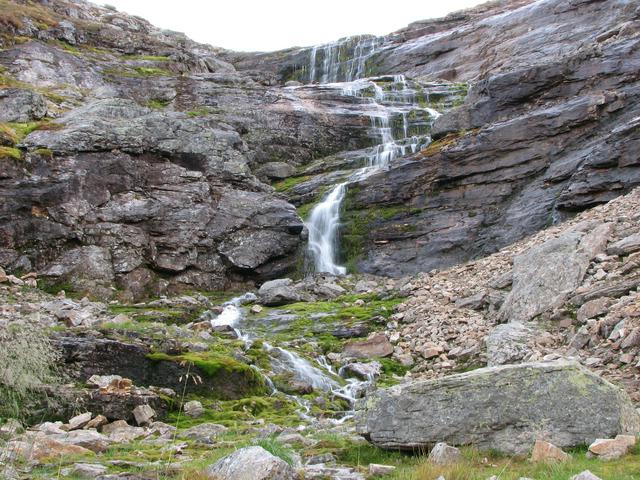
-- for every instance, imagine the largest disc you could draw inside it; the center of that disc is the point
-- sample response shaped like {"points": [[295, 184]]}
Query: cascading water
{"points": [[344, 60], [383, 106]]}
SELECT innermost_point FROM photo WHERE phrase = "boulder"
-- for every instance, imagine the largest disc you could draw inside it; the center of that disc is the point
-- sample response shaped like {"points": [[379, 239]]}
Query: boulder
{"points": [[193, 409], [85, 470], [547, 452], [278, 292], [509, 343], [40, 446], [612, 448], [375, 346], [251, 463], [503, 408], [544, 275], [363, 371], [89, 439], [443, 454], [144, 414], [204, 433]]}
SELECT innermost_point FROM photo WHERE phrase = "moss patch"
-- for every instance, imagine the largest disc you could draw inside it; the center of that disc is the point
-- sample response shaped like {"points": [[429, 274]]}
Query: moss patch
{"points": [[289, 183], [10, 152]]}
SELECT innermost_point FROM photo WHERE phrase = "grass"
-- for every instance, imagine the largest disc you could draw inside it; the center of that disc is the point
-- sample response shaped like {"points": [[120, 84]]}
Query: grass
{"points": [[289, 183], [13, 14], [200, 112], [276, 449], [10, 152], [138, 72], [157, 104], [149, 58]]}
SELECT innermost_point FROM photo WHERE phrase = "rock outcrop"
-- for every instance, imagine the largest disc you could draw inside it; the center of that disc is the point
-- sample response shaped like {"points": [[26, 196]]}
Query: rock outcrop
{"points": [[504, 408]]}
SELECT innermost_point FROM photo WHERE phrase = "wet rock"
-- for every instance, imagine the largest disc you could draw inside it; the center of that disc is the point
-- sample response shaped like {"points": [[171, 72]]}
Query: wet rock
{"points": [[547, 452], [554, 394], [251, 463], [375, 346], [363, 371], [443, 454]]}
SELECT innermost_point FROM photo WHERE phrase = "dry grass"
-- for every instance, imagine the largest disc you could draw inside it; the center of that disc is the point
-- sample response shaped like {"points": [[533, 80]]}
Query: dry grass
{"points": [[12, 14]]}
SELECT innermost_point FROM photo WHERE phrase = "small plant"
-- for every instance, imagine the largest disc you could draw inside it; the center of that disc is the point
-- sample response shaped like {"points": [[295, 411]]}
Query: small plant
{"points": [[27, 362], [157, 104]]}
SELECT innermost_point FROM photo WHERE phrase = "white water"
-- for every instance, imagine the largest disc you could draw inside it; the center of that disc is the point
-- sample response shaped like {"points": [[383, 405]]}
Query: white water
{"points": [[335, 67], [385, 106], [287, 361]]}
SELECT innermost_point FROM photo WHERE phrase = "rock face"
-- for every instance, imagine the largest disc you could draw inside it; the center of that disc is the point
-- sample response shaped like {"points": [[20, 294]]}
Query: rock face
{"points": [[503, 408], [251, 463]]}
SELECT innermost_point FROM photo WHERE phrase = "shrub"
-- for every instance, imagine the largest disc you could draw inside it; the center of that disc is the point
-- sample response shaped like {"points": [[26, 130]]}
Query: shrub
{"points": [[27, 363]]}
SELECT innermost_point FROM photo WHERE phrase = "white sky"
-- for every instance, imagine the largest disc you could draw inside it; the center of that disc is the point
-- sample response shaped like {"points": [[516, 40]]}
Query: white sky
{"points": [[265, 25]]}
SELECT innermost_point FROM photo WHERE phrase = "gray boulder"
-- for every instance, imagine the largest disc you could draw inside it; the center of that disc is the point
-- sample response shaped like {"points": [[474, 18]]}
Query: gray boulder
{"points": [[278, 292], [18, 105], [251, 463], [546, 274], [503, 408], [509, 343]]}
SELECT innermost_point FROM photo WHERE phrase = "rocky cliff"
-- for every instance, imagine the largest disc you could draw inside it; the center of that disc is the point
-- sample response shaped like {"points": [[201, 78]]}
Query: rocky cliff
{"points": [[137, 159]]}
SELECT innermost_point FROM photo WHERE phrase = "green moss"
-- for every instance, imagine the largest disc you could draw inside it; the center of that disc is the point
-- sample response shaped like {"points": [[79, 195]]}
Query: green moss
{"points": [[10, 152], [44, 152], [138, 72], [150, 58], [200, 112], [157, 104], [289, 183]]}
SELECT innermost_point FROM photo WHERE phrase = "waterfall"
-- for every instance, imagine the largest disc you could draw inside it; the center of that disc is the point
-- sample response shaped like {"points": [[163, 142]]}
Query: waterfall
{"points": [[323, 228], [344, 60], [396, 101]]}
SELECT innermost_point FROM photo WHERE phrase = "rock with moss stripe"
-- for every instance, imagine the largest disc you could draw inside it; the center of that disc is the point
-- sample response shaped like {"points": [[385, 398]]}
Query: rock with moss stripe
{"points": [[503, 408]]}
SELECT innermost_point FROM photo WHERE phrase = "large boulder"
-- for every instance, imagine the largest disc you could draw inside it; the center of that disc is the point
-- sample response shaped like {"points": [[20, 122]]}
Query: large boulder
{"points": [[251, 463], [546, 274], [503, 408], [278, 292]]}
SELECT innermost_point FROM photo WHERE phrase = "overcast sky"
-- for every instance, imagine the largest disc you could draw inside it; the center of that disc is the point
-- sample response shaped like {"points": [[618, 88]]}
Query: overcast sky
{"points": [[254, 25]]}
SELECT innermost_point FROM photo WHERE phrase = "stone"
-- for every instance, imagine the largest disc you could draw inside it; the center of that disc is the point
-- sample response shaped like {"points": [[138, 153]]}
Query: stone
{"points": [[85, 470], [144, 414], [79, 421], [612, 448], [593, 309], [10, 428], [256, 309], [21, 105], [503, 408], [443, 454], [586, 475], [363, 371], [276, 170], [251, 463], [631, 340], [378, 469], [544, 275], [204, 433], [97, 422], [41, 446], [3, 276], [547, 452], [375, 346], [625, 246], [193, 409], [323, 458], [89, 439], [509, 343], [278, 292]]}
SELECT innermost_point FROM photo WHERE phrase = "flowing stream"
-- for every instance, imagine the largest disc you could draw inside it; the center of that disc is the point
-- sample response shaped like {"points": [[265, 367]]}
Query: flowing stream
{"points": [[321, 377]]}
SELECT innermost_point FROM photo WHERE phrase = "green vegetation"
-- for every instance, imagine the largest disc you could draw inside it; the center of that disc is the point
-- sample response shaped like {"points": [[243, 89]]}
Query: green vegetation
{"points": [[289, 183], [157, 104], [10, 152], [216, 364], [276, 449], [138, 72], [200, 112], [13, 14], [27, 361], [150, 58]]}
